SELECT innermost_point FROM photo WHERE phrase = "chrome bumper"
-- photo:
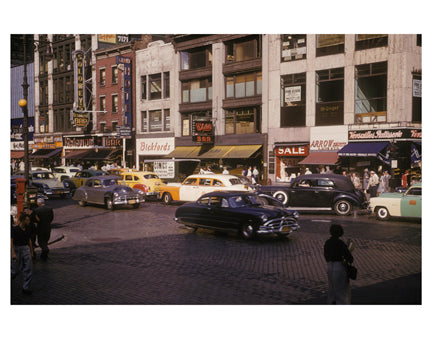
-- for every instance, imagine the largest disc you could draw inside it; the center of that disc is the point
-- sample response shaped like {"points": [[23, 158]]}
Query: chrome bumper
{"points": [[284, 225]]}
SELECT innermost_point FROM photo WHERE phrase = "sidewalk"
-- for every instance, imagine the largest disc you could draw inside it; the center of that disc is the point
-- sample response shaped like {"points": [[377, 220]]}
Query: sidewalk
{"points": [[400, 291]]}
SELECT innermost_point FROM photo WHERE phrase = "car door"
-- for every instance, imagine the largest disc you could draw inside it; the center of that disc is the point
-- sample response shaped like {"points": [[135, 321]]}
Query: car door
{"points": [[189, 190], [96, 192], [324, 190], [304, 193], [411, 203], [128, 179]]}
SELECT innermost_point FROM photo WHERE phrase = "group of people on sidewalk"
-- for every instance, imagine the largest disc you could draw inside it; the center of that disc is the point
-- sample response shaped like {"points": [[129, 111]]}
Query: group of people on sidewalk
{"points": [[32, 225]]}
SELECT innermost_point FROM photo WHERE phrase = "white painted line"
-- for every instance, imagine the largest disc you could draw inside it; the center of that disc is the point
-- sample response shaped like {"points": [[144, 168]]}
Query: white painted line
{"points": [[318, 220]]}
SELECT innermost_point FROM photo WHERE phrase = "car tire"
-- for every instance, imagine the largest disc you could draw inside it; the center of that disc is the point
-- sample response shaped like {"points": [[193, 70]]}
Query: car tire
{"points": [[382, 213], [82, 203], [281, 196], [247, 231], [342, 207], [192, 228], [136, 206], [167, 198], [109, 204]]}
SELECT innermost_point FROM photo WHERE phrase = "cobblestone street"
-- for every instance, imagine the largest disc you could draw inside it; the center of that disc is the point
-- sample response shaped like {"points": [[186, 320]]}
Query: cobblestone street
{"points": [[144, 257]]}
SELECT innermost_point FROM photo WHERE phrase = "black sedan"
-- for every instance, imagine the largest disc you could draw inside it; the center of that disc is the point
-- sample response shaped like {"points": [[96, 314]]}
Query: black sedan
{"points": [[242, 212], [319, 192]]}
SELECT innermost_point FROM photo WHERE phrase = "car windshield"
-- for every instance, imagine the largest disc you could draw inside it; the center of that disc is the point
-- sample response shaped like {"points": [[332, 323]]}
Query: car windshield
{"points": [[151, 176], [244, 201], [109, 182]]}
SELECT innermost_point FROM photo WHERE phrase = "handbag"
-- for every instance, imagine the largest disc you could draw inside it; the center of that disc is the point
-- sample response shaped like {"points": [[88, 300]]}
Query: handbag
{"points": [[351, 272]]}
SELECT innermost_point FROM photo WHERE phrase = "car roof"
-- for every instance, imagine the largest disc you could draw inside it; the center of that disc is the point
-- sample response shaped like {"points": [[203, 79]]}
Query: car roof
{"points": [[227, 193], [104, 177], [213, 176], [323, 176], [137, 172]]}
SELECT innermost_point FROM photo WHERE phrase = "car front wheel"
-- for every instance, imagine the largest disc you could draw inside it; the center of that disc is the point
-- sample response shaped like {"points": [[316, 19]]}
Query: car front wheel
{"points": [[281, 196], [167, 198], [382, 213], [247, 231], [343, 207], [109, 204]]}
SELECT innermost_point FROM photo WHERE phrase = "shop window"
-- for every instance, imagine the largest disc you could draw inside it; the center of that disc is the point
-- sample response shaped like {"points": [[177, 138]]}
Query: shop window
{"points": [[242, 120], [199, 90], [243, 50], [365, 41], [244, 85], [196, 58], [371, 93], [114, 78], [293, 100], [293, 47], [155, 84], [417, 98], [330, 97], [102, 77], [328, 44]]}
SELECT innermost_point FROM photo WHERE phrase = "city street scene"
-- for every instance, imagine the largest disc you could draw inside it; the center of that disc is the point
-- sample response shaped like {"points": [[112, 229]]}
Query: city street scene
{"points": [[216, 170]]}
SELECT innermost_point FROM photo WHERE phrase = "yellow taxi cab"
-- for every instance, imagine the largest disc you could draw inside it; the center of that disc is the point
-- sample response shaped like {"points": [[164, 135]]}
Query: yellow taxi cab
{"points": [[148, 182]]}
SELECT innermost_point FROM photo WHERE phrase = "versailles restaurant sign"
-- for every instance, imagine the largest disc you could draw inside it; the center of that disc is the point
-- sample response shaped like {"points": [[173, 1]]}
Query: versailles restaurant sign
{"points": [[382, 134]]}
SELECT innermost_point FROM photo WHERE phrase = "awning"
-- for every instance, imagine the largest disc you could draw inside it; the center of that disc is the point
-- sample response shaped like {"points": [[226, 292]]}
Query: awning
{"points": [[76, 154], [100, 154], [362, 149], [185, 152], [242, 151], [217, 152], [45, 153], [320, 158], [17, 154]]}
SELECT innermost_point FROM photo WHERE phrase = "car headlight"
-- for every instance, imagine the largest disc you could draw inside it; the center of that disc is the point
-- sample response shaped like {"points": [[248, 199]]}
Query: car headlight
{"points": [[116, 194], [45, 186], [295, 214], [264, 217]]}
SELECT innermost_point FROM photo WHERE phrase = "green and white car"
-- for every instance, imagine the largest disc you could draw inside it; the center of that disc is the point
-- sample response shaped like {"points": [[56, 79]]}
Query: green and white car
{"points": [[408, 204]]}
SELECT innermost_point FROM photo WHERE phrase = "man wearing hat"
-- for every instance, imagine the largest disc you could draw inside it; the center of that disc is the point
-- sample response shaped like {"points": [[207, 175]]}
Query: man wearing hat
{"points": [[373, 184]]}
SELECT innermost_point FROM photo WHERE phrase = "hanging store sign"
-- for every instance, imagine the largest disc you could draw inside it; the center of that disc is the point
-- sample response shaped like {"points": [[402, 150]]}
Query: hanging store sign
{"points": [[292, 151], [127, 88], [79, 117], [203, 132]]}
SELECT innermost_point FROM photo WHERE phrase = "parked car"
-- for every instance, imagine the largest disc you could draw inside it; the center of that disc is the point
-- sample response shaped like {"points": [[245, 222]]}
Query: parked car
{"points": [[47, 184], [108, 191], [80, 177], [65, 172], [407, 204], [33, 192], [148, 182], [318, 192], [195, 186], [237, 211]]}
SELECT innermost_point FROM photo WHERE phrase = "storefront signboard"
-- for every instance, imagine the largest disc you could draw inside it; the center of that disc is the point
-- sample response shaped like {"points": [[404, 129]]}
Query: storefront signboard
{"points": [[383, 134], [328, 138], [155, 146]]}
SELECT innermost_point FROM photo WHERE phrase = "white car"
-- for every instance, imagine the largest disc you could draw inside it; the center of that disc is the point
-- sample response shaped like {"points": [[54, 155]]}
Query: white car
{"points": [[65, 172], [194, 186]]}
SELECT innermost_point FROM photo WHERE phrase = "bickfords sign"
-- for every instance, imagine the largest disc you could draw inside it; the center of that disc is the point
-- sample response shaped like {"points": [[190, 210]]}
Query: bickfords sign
{"points": [[126, 63], [79, 116]]}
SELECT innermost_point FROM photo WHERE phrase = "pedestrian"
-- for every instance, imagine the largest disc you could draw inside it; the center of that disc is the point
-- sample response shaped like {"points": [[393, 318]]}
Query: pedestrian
{"points": [[405, 179], [249, 173], [356, 181], [32, 225], [225, 171], [22, 252], [21, 166], [307, 171], [337, 254], [365, 178], [44, 217], [373, 184], [255, 175]]}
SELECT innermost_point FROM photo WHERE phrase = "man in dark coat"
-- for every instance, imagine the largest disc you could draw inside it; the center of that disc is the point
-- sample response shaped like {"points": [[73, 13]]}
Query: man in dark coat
{"points": [[44, 217]]}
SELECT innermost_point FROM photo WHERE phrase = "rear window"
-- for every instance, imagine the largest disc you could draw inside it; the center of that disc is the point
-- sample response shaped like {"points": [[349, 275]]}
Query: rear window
{"points": [[235, 181], [151, 176], [190, 181], [325, 183]]}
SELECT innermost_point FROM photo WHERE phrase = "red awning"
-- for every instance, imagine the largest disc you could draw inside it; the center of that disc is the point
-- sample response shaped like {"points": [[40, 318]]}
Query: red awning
{"points": [[320, 158], [17, 154]]}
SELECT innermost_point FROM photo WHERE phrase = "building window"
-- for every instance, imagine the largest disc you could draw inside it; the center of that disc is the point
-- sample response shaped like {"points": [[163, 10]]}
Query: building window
{"points": [[114, 79], [199, 90], [43, 92], [114, 103], [188, 121], [102, 103], [293, 100], [245, 120], [166, 85], [293, 47], [43, 122], [114, 125], [196, 58], [366, 41], [155, 86], [330, 97], [328, 44], [417, 98], [419, 40], [155, 121], [102, 76], [167, 120], [244, 85], [144, 87], [144, 121], [371, 93], [102, 127], [62, 56], [62, 122], [243, 49]]}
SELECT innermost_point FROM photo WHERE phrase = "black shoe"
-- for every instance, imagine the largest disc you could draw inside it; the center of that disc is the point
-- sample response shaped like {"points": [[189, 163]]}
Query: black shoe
{"points": [[27, 292]]}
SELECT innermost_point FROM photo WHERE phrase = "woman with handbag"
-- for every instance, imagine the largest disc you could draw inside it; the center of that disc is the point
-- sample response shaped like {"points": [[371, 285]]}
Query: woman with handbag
{"points": [[337, 254]]}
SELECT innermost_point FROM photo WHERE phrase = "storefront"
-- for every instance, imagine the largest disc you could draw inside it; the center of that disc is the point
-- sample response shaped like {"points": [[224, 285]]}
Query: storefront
{"points": [[288, 157], [92, 150], [47, 151], [151, 149], [325, 142]]}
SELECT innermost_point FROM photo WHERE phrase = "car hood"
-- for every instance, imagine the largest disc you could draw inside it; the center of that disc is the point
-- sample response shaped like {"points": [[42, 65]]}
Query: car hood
{"points": [[50, 182], [390, 195]]}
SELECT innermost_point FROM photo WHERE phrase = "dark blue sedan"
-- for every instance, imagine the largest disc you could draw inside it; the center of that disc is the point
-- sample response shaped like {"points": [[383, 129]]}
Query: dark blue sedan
{"points": [[246, 213]]}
